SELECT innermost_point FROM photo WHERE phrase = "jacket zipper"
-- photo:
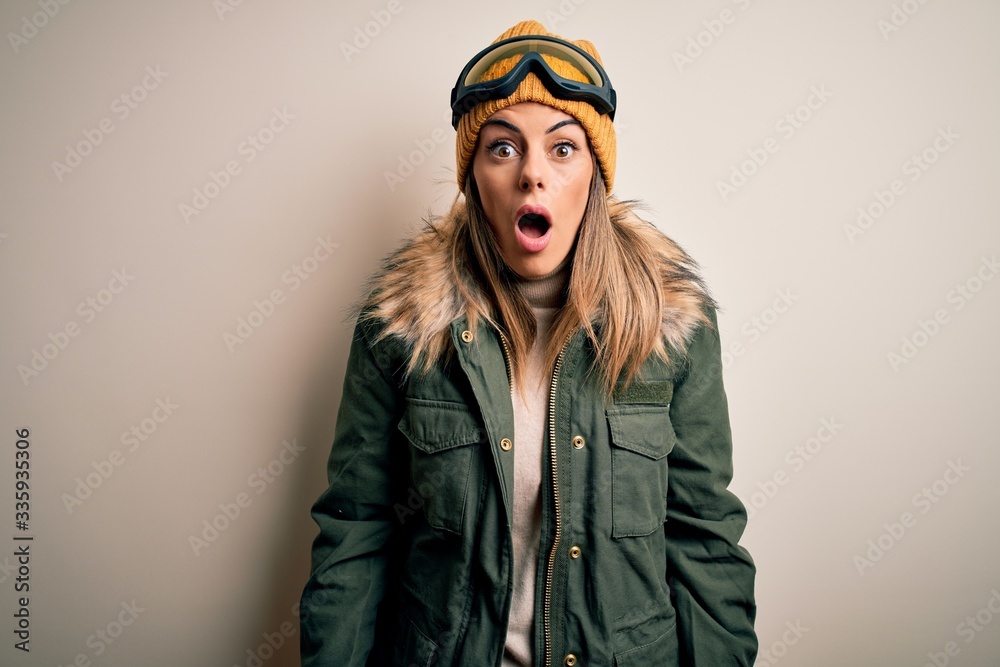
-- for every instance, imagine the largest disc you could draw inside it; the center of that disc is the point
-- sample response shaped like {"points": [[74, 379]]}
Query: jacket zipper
{"points": [[506, 361], [547, 615], [555, 502]]}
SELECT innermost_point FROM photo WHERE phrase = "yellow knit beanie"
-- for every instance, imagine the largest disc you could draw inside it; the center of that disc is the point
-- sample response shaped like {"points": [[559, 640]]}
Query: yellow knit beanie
{"points": [[598, 126]]}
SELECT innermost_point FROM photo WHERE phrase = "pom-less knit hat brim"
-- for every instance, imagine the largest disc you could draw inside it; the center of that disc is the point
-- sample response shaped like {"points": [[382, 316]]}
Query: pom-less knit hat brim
{"points": [[599, 129]]}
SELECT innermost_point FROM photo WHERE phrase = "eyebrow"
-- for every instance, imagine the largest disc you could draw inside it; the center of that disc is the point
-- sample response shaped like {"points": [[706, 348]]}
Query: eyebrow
{"points": [[515, 128]]}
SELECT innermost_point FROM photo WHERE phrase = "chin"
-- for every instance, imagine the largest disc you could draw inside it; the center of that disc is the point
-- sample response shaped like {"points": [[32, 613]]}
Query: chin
{"points": [[534, 267]]}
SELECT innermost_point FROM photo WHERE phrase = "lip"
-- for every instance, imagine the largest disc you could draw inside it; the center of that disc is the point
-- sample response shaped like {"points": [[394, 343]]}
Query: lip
{"points": [[533, 244]]}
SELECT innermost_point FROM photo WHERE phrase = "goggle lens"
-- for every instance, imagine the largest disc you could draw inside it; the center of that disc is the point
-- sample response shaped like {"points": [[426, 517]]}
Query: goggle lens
{"points": [[531, 52], [540, 46]]}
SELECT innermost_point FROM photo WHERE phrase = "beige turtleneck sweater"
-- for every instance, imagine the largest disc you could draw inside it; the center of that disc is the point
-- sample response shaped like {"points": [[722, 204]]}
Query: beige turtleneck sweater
{"points": [[545, 295]]}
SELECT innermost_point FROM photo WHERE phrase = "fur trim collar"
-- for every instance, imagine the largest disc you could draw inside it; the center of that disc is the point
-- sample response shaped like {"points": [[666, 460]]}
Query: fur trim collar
{"points": [[415, 296]]}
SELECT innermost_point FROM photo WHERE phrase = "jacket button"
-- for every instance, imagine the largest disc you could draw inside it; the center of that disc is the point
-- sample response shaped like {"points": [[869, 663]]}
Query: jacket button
{"points": [[569, 660], [467, 336], [575, 551], [578, 441], [506, 444]]}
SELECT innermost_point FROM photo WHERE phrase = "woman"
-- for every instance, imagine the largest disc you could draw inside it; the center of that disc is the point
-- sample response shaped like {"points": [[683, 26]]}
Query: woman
{"points": [[533, 446]]}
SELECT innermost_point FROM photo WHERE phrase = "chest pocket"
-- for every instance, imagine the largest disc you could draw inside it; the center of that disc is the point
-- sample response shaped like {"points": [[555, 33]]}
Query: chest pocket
{"points": [[641, 438], [443, 438]]}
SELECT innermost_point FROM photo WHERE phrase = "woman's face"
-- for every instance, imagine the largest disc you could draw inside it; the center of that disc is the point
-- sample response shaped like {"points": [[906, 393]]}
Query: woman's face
{"points": [[533, 167]]}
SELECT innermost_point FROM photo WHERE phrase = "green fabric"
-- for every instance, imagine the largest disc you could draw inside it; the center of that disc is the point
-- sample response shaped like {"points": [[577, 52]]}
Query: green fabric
{"points": [[645, 392], [413, 561]]}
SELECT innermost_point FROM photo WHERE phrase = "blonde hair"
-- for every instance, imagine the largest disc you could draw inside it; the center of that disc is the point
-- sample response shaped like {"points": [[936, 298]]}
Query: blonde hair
{"points": [[633, 291], [615, 288]]}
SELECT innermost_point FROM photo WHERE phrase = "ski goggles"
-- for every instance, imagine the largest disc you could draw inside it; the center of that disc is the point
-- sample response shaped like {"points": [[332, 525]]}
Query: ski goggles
{"points": [[470, 91]]}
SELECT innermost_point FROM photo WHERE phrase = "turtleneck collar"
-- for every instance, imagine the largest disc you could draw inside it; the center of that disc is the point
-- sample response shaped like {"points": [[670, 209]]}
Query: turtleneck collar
{"points": [[548, 291]]}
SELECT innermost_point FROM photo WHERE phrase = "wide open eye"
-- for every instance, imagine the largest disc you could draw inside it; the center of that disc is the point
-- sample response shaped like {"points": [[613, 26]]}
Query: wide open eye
{"points": [[501, 149], [565, 149]]}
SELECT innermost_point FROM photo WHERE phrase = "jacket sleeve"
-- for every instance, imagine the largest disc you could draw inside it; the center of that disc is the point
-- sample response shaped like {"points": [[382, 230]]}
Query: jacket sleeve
{"points": [[347, 581], [711, 577]]}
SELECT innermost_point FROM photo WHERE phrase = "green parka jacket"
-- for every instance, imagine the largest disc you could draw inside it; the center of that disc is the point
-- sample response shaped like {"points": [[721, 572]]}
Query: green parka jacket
{"points": [[639, 564]]}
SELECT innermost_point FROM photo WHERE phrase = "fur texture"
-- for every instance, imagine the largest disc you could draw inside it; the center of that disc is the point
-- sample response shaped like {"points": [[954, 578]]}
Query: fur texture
{"points": [[417, 292]]}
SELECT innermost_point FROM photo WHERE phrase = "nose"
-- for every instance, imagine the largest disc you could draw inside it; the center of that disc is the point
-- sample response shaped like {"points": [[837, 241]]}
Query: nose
{"points": [[533, 174]]}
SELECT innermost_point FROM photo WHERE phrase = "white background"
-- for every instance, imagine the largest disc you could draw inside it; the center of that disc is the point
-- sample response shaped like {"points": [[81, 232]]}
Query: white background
{"points": [[895, 75]]}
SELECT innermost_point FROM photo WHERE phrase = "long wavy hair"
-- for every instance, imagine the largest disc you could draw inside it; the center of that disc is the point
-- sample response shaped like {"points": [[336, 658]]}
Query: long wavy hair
{"points": [[631, 289], [614, 291]]}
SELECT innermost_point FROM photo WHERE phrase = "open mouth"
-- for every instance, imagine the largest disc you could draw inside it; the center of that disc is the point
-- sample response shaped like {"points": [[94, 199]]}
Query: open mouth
{"points": [[533, 225], [534, 228]]}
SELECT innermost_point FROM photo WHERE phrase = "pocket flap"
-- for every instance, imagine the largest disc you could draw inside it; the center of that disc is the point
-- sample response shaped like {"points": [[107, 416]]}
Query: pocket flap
{"points": [[645, 391], [644, 429], [434, 426]]}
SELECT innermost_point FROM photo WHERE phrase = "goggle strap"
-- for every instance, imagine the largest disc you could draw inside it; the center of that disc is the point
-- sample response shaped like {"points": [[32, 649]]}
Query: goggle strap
{"points": [[559, 86]]}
